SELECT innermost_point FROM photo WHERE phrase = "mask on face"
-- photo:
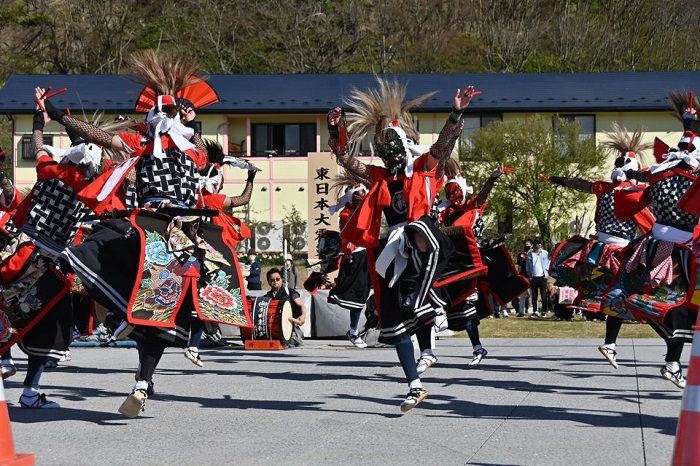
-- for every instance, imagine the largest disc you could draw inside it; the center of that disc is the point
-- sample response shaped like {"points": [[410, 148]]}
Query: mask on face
{"points": [[251, 258], [454, 193], [527, 247], [393, 151]]}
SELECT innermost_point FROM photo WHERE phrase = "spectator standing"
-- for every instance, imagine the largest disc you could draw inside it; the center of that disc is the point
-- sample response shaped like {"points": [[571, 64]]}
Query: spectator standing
{"points": [[254, 280], [522, 303], [537, 268]]}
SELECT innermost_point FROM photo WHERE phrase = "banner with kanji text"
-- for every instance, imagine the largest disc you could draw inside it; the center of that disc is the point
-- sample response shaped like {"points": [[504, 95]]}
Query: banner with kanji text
{"points": [[322, 170]]}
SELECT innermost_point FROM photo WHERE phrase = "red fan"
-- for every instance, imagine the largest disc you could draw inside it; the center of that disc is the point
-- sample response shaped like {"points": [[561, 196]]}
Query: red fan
{"points": [[660, 149], [200, 93]]}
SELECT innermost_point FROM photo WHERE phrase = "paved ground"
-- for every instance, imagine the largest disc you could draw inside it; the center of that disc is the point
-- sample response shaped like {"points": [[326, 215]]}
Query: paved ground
{"points": [[531, 402]]}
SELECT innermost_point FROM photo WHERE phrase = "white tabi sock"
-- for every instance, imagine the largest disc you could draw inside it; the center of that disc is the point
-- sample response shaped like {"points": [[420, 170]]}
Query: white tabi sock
{"points": [[141, 385], [427, 352], [673, 366], [30, 391], [415, 384]]}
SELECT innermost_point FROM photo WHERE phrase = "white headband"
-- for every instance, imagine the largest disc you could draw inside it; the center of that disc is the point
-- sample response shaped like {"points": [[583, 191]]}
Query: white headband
{"points": [[347, 197], [462, 183]]}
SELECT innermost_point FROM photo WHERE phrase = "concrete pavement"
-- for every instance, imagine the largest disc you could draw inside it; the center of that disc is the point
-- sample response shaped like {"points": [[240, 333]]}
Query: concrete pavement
{"points": [[530, 402]]}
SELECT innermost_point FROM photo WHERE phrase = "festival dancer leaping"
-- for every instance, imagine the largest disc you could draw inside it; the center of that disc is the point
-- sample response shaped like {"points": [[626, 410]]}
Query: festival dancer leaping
{"points": [[589, 265], [352, 288], [657, 282], [36, 295], [164, 262], [404, 264]]}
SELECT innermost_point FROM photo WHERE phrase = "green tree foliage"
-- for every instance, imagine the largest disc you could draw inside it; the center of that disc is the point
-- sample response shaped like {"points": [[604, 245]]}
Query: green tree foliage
{"points": [[532, 147], [294, 230]]}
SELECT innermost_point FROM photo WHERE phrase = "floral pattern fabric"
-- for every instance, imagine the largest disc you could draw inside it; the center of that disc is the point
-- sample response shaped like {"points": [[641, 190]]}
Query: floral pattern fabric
{"points": [[177, 268]]}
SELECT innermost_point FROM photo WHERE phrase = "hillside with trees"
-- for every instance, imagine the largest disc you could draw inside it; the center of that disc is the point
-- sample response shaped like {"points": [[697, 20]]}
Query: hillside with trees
{"points": [[302, 36], [371, 36]]}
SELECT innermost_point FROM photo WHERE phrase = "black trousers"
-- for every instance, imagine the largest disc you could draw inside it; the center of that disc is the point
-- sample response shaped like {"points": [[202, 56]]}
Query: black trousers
{"points": [[539, 284]]}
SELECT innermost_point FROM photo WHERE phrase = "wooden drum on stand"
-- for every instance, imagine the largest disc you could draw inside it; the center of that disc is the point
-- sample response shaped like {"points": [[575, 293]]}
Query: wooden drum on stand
{"points": [[271, 320]]}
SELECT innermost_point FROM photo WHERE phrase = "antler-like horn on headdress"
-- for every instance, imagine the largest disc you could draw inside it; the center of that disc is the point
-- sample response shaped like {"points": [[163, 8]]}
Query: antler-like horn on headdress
{"points": [[681, 100], [165, 73], [375, 109], [623, 141]]}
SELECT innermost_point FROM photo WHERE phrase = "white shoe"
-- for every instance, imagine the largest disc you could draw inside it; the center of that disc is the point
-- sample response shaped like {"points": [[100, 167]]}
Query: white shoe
{"points": [[36, 401], [356, 340], [415, 396], [609, 354], [675, 377], [478, 356], [440, 323], [193, 356], [424, 362], [8, 370], [66, 357]]}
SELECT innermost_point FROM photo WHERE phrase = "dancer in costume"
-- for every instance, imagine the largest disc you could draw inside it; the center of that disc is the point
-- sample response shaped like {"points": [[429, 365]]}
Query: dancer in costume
{"points": [[403, 265], [457, 211], [589, 266], [163, 263], [352, 288], [10, 199], [657, 281], [211, 182], [36, 295]]}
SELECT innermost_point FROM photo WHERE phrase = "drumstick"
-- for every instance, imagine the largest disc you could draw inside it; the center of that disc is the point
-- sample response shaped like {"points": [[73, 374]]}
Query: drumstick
{"points": [[508, 170], [690, 100], [294, 321], [54, 94], [544, 177], [47, 95], [476, 93]]}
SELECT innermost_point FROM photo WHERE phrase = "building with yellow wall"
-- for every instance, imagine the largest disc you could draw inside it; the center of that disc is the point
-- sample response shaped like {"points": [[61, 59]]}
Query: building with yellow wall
{"points": [[276, 120]]}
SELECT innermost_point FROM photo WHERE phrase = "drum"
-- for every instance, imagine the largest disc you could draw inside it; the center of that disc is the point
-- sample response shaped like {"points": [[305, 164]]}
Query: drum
{"points": [[270, 320]]}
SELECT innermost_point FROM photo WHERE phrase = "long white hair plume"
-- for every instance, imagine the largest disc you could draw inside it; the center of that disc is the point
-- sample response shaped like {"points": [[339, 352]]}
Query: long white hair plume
{"points": [[375, 109]]}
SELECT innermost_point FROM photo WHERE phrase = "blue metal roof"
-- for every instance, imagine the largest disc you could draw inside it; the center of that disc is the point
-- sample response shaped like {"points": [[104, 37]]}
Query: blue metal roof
{"points": [[316, 93]]}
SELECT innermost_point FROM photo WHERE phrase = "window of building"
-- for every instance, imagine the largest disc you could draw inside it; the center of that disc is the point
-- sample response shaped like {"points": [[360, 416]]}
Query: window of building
{"points": [[472, 123], [586, 124], [26, 152], [283, 139]]}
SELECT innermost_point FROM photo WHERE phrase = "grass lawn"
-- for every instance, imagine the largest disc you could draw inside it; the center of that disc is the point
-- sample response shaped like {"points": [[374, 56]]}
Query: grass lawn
{"points": [[524, 327]]}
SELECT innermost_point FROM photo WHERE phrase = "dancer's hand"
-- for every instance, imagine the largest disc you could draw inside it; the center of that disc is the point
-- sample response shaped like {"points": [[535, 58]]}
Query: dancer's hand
{"points": [[463, 98], [334, 116]]}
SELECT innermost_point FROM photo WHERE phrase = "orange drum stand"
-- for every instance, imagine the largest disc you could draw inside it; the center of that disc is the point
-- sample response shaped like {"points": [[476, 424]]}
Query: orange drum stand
{"points": [[263, 345]]}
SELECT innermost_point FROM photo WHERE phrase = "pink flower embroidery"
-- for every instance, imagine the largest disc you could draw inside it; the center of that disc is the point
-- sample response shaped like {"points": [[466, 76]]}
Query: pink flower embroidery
{"points": [[218, 296]]}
